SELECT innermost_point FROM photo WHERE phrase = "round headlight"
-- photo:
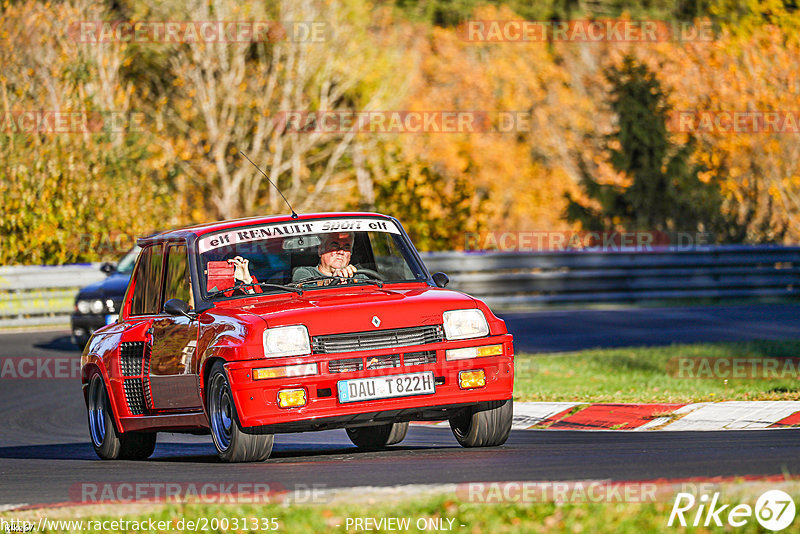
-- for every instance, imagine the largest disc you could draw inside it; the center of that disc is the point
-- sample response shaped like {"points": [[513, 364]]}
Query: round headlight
{"points": [[97, 306], [83, 306]]}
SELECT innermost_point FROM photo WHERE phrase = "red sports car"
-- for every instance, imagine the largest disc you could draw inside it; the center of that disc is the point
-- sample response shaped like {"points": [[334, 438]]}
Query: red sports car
{"points": [[257, 326]]}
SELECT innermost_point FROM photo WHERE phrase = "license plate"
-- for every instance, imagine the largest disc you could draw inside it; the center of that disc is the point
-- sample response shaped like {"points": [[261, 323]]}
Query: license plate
{"points": [[386, 387]]}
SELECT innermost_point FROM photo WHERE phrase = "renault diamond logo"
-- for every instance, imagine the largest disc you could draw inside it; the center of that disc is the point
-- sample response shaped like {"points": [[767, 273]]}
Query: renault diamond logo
{"points": [[375, 321]]}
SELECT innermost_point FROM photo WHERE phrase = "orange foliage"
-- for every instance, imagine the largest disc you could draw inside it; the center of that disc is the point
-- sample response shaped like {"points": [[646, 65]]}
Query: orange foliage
{"points": [[757, 72], [525, 172]]}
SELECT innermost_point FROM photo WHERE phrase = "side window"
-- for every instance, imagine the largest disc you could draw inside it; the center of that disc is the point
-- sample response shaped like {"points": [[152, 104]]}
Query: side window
{"points": [[146, 298], [177, 284]]}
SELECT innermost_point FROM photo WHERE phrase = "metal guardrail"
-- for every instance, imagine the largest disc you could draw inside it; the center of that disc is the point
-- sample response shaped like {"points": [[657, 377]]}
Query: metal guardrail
{"points": [[508, 279], [45, 295], [40, 295]]}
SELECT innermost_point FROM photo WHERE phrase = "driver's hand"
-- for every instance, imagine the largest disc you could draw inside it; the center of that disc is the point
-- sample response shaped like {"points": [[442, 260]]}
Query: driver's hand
{"points": [[346, 272], [241, 269]]}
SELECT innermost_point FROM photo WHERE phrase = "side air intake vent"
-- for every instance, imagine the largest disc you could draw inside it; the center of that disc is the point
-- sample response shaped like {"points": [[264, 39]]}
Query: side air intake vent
{"points": [[134, 394], [131, 356]]}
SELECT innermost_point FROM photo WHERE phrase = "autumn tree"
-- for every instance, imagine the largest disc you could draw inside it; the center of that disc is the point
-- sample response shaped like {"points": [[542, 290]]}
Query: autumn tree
{"points": [[71, 195], [437, 211], [757, 169], [664, 192], [227, 97], [62, 196]]}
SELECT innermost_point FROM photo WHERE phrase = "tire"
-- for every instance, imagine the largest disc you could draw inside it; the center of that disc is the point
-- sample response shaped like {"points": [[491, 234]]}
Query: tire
{"points": [[108, 442], [488, 427], [373, 438], [233, 442]]}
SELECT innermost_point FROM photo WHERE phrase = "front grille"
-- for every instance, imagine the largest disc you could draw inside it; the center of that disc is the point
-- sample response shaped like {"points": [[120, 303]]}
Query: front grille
{"points": [[134, 394], [345, 366], [131, 355], [383, 362], [419, 358], [382, 339]]}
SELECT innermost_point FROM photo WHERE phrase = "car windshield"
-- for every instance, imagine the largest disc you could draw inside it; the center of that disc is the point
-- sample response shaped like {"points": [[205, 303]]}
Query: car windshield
{"points": [[125, 265], [287, 256]]}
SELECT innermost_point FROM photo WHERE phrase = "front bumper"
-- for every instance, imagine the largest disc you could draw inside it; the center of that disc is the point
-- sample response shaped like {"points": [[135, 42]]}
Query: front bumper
{"points": [[257, 406]]}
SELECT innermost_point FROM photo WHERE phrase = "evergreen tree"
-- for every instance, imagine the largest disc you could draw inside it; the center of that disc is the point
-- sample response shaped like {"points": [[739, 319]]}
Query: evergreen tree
{"points": [[665, 193]]}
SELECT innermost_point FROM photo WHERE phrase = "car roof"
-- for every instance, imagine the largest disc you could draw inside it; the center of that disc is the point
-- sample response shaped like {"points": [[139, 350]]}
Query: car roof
{"points": [[207, 228]]}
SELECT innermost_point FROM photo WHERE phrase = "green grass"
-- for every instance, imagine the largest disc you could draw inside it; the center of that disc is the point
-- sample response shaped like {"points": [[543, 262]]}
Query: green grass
{"points": [[650, 374], [457, 515]]}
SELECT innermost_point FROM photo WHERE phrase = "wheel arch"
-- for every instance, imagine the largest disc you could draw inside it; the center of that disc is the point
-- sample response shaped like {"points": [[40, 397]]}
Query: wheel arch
{"points": [[87, 372], [207, 365]]}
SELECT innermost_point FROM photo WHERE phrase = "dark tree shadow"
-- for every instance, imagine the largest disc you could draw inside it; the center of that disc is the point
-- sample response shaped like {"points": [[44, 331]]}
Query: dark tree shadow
{"points": [[60, 343]]}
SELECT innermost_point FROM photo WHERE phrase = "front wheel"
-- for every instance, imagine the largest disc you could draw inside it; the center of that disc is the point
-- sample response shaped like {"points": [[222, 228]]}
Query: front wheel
{"points": [[485, 426], [108, 443], [233, 442], [372, 438]]}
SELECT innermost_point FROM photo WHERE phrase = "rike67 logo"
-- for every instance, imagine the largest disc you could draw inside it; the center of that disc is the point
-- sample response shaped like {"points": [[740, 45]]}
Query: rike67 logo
{"points": [[774, 511]]}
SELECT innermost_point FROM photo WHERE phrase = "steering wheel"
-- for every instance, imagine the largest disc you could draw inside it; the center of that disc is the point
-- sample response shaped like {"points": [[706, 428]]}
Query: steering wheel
{"points": [[371, 274]]}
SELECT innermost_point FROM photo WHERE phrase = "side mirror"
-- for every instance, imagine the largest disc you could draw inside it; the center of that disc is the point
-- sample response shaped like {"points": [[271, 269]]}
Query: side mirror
{"points": [[108, 267], [441, 279], [177, 307]]}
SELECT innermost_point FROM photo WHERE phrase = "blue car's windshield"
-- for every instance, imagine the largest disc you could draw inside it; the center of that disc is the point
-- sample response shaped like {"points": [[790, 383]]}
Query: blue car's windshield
{"points": [[126, 264]]}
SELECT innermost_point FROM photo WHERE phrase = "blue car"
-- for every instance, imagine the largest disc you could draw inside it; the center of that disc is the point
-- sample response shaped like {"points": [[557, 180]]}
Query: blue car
{"points": [[97, 305]]}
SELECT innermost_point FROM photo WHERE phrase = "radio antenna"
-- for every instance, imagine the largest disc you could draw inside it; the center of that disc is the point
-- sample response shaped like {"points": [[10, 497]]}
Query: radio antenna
{"points": [[294, 215]]}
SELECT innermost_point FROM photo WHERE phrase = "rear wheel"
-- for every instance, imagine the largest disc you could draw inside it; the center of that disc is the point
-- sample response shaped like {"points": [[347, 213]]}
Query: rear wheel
{"points": [[233, 442], [371, 438], [484, 427], [108, 443]]}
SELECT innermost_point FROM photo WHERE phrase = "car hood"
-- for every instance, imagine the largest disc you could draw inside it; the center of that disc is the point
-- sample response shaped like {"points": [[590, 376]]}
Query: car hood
{"points": [[334, 311], [114, 285]]}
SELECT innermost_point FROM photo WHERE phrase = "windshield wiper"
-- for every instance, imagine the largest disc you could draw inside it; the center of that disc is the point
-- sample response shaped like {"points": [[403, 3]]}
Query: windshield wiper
{"points": [[340, 279], [366, 281], [314, 279], [257, 284]]}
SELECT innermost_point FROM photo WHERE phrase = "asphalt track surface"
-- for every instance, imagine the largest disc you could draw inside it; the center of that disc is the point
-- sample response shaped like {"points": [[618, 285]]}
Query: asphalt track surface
{"points": [[45, 454], [568, 330]]}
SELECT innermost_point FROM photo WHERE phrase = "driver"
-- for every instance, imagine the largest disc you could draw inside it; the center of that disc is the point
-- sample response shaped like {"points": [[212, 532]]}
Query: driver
{"points": [[334, 258]]}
